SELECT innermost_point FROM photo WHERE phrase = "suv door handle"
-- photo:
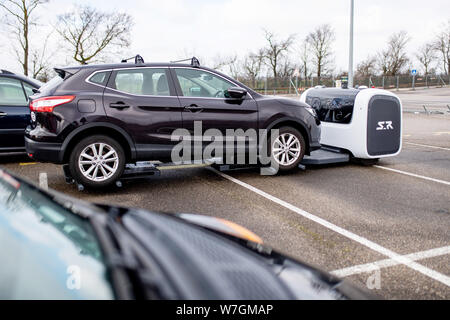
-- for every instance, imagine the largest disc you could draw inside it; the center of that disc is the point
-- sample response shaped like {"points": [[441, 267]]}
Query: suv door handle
{"points": [[3, 114], [193, 108], [119, 105]]}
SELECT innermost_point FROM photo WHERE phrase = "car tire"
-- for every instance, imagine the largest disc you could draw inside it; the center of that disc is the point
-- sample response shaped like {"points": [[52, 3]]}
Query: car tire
{"points": [[287, 149], [97, 161]]}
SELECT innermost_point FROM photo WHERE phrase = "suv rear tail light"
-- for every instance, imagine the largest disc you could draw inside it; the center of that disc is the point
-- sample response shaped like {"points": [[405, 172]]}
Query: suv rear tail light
{"points": [[47, 104]]}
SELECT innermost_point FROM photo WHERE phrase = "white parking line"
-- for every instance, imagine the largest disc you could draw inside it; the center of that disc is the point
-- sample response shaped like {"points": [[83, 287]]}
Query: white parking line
{"points": [[370, 267], [414, 175], [426, 146], [348, 234], [43, 180]]}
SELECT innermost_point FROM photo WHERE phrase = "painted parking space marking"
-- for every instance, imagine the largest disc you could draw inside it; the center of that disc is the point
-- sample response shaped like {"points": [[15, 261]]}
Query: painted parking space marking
{"points": [[441, 133], [370, 267], [426, 146], [414, 175], [433, 274], [27, 163], [43, 180]]}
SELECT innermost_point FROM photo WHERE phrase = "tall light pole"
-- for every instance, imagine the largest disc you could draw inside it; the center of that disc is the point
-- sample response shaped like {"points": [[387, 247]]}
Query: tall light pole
{"points": [[350, 61]]}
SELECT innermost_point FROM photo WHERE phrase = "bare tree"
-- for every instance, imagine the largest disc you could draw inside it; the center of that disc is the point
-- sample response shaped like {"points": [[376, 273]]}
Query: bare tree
{"points": [[287, 68], [219, 62], [234, 67], [228, 64], [442, 44], [426, 56], [276, 51], [252, 66], [90, 32], [20, 18], [366, 68], [305, 60], [321, 41], [393, 59], [40, 61], [383, 61]]}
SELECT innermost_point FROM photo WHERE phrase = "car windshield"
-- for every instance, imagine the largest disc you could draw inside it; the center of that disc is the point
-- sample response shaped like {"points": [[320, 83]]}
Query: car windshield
{"points": [[47, 251]]}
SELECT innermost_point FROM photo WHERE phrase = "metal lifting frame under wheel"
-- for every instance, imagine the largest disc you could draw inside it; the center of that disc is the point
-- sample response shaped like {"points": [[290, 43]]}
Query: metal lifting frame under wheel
{"points": [[138, 170], [147, 169]]}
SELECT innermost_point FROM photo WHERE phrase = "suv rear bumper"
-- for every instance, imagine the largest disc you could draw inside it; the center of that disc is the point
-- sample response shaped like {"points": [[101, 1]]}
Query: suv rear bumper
{"points": [[44, 151]]}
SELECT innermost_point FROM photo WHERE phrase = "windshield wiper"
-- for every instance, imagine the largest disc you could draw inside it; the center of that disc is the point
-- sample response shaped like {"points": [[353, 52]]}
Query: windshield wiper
{"points": [[132, 278]]}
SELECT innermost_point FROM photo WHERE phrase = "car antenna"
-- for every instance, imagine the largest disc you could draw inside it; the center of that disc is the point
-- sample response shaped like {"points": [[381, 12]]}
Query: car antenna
{"points": [[194, 61], [137, 60]]}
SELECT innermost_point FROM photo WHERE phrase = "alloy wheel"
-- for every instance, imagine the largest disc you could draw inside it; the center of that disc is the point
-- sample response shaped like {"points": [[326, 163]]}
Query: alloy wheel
{"points": [[286, 149], [98, 162]]}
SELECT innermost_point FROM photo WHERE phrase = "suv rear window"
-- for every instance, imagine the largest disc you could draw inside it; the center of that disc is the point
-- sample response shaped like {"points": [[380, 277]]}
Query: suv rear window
{"points": [[52, 84], [100, 78]]}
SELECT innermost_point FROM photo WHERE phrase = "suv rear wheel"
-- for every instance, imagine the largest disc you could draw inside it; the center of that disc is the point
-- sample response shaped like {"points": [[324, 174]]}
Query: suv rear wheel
{"points": [[97, 161]]}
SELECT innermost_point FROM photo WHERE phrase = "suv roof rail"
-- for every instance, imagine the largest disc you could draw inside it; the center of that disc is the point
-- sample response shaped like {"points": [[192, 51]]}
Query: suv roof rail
{"points": [[194, 61], [5, 71], [137, 60]]}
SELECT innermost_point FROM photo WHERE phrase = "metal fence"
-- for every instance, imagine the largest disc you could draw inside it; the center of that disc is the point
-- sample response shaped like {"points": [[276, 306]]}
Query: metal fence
{"points": [[404, 81], [297, 85]]}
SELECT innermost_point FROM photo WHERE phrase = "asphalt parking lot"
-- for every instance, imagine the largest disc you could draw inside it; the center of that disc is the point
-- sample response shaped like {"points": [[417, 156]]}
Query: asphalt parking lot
{"points": [[389, 222]]}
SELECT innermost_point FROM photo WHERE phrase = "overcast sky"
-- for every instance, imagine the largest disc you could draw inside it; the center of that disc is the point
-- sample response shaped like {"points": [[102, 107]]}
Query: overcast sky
{"points": [[168, 29]]}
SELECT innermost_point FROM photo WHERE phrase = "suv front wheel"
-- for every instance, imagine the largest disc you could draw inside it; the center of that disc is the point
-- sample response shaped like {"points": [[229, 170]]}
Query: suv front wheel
{"points": [[288, 148], [97, 161]]}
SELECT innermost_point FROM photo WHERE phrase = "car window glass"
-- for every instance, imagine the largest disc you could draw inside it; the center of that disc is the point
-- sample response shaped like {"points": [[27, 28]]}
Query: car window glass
{"points": [[11, 92], [28, 89], [152, 82], [48, 87], [100, 78], [45, 244], [199, 83]]}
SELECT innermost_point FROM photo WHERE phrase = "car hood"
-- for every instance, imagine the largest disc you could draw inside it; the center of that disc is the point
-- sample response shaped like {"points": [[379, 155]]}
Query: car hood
{"points": [[214, 256], [295, 274], [222, 226], [285, 101], [205, 258]]}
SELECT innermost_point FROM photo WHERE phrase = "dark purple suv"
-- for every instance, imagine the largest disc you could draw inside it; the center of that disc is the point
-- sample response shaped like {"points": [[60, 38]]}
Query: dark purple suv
{"points": [[97, 118]]}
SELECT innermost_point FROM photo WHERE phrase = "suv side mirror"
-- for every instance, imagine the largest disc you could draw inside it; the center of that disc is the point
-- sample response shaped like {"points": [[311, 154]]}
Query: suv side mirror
{"points": [[235, 93]]}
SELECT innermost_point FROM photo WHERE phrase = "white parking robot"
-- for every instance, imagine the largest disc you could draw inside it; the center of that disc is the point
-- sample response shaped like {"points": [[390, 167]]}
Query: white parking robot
{"points": [[361, 124]]}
